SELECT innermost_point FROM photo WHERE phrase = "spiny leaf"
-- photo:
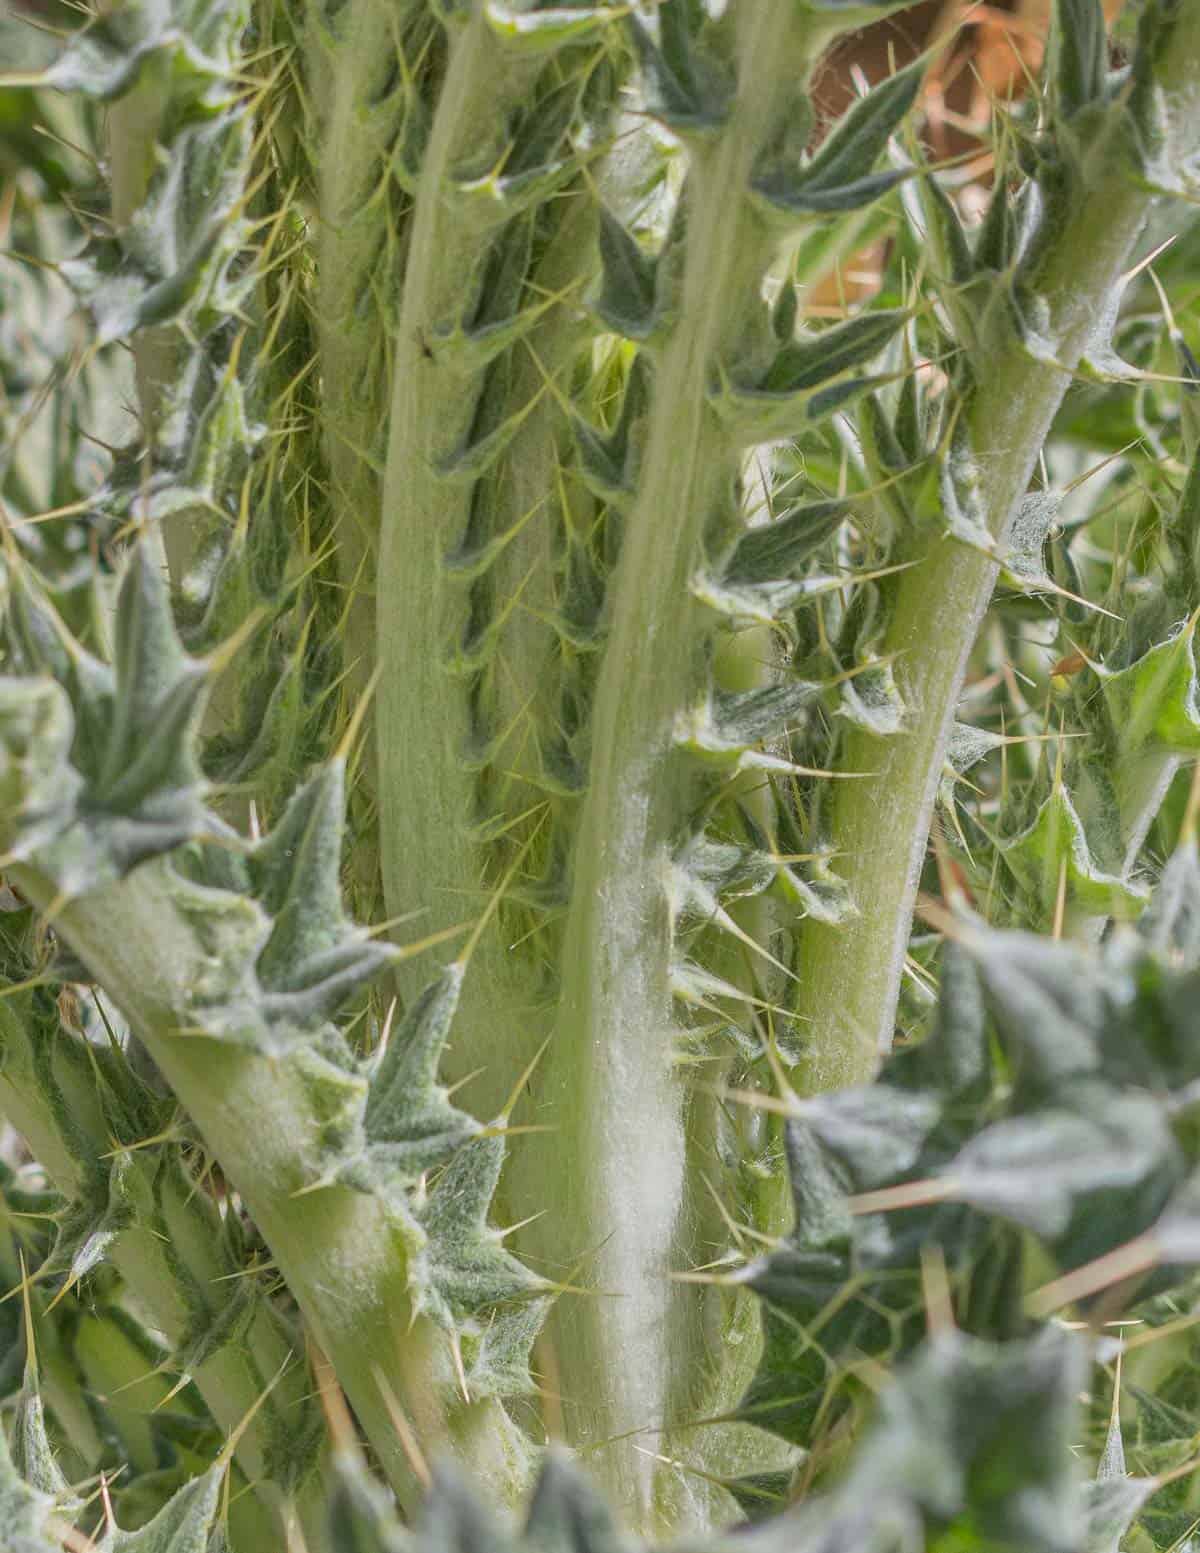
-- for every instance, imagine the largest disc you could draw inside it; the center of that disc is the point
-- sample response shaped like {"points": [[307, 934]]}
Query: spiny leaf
{"points": [[626, 299], [463, 1269], [1055, 847], [177, 256], [184, 1525], [566, 1515], [24, 1511], [1023, 560], [361, 1520], [314, 958], [965, 1424], [89, 1224], [872, 700], [1057, 1167], [1110, 1507], [761, 568], [840, 175], [685, 89], [1153, 702], [728, 726], [131, 785], [810, 377], [33, 1455], [1171, 923], [410, 1124]]}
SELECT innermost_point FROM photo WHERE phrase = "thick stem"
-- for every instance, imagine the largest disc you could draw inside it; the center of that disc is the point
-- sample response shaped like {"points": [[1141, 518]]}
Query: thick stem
{"points": [[615, 1179], [266, 1122], [432, 709], [880, 827], [424, 514], [64, 1133]]}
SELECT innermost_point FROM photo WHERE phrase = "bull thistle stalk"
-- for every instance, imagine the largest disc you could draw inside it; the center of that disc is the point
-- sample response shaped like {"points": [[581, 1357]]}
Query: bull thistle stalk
{"points": [[600, 908]]}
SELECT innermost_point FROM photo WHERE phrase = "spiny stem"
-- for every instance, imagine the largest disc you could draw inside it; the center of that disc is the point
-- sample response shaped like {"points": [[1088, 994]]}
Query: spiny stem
{"points": [[851, 974], [619, 1180], [337, 1250], [228, 1380]]}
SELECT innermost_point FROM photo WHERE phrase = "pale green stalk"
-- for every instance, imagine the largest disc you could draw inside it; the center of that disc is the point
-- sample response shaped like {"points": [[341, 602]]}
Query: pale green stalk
{"points": [[435, 860], [880, 827], [615, 1183], [356, 66], [233, 1380], [425, 515], [270, 1124]]}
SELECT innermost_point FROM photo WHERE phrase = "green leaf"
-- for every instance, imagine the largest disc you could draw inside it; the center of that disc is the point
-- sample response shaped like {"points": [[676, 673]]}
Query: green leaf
{"points": [[93, 1220], [105, 58], [131, 786], [24, 1511], [314, 957], [840, 175], [453, 1520], [762, 576], [1078, 54], [965, 748], [1049, 1000], [1094, 1171], [410, 1124], [544, 28], [1110, 1508], [1054, 848], [727, 727], [964, 505], [1153, 702], [32, 1453], [609, 463], [175, 258], [463, 1270], [937, 226], [685, 89], [361, 1519], [566, 1515], [776, 550], [972, 1447], [1023, 559], [872, 700], [1171, 923], [626, 298], [184, 1525], [800, 381]]}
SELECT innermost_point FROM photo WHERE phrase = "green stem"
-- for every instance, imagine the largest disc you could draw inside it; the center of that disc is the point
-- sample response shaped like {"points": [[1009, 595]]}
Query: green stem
{"points": [[432, 710], [424, 723], [267, 1123], [880, 827], [66, 1130], [616, 1184], [361, 243]]}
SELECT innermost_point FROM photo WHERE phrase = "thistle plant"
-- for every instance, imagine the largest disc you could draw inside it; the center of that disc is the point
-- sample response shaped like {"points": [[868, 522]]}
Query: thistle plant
{"points": [[600, 906]]}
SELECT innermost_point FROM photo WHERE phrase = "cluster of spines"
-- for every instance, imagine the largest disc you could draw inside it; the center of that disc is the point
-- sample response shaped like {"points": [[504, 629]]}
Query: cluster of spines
{"points": [[197, 273]]}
